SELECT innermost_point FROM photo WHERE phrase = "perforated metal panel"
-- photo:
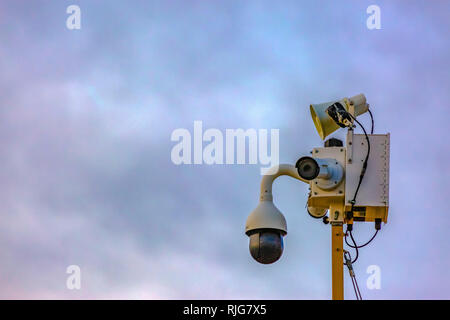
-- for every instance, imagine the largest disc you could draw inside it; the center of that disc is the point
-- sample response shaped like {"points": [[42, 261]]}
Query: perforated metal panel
{"points": [[374, 190]]}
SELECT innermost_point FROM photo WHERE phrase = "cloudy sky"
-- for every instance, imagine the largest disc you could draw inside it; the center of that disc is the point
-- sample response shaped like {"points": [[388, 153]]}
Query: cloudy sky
{"points": [[86, 117]]}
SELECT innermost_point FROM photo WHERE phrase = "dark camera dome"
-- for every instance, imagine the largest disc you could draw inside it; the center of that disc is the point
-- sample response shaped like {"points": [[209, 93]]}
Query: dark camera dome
{"points": [[266, 246]]}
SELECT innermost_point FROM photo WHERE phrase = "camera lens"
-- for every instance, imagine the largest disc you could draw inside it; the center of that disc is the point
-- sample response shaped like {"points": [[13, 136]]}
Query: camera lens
{"points": [[307, 168], [266, 246]]}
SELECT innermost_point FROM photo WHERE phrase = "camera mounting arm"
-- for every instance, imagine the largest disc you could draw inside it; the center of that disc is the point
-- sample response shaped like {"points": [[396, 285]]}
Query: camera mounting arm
{"points": [[280, 170], [266, 225]]}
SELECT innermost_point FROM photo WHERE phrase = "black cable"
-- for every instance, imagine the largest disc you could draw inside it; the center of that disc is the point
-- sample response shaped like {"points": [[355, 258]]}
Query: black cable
{"points": [[371, 117], [353, 202], [356, 247], [363, 171], [365, 244], [361, 176], [348, 244]]}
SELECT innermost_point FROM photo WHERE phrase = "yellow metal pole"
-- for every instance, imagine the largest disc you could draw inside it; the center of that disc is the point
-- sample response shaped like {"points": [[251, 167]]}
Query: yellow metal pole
{"points": [[337, 261]]}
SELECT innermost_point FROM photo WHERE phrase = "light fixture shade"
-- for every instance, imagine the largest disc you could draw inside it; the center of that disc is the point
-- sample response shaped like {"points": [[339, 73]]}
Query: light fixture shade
{"points": [[325, 125], [266, 216]]}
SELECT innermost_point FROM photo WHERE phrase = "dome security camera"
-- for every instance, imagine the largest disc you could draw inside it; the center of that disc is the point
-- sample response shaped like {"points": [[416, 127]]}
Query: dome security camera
{"points": [[266, 227], [266, 245]]}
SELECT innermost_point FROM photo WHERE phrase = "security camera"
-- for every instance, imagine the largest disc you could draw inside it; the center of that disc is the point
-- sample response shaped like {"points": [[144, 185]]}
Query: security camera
{"points": [[307, 168], [337, 192], [328, 172], [266, 227], [266, 245]]}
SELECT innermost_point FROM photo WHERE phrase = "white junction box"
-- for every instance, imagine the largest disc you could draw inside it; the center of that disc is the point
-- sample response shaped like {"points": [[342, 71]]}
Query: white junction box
{"points": [[372, 200]]}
